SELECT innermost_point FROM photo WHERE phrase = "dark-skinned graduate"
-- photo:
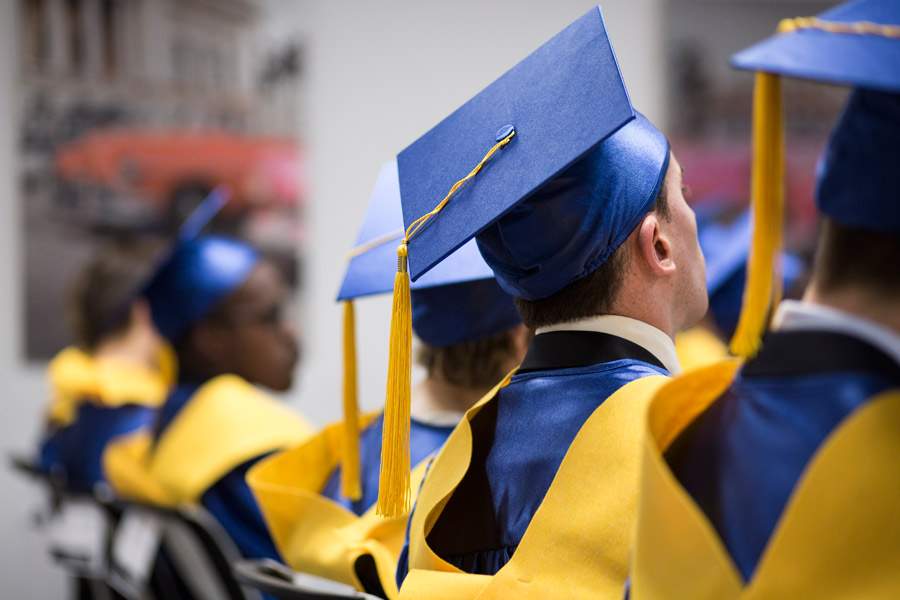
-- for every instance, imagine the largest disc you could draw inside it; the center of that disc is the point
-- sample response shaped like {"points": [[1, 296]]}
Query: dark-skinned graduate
{"points": [[219, 303], [776, 476], [319, 498], [575, 201], [725, 242], [116, 376]]}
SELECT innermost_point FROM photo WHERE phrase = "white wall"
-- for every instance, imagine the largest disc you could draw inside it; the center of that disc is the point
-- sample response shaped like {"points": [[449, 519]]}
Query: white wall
{"points": [[379, 74], [25, 571]]}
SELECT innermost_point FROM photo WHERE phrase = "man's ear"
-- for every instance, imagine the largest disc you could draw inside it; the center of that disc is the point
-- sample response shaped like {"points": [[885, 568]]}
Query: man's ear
{"points": [[654, 247]]}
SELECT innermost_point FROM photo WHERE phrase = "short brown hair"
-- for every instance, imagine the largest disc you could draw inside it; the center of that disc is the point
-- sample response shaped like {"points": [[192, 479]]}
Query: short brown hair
{"points": [[474, 364], [102, 295], [590, 295], [852, 257]]}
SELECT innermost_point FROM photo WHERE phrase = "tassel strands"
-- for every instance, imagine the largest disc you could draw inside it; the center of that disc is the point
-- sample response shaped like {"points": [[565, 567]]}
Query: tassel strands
{"points": [[350, 469], [767, 195], [393, 483]]}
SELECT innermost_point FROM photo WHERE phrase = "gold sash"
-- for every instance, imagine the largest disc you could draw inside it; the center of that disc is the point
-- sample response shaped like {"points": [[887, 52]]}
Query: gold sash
{"points": [[313, 533], [839, 535], [226, 423], [577, 543]]}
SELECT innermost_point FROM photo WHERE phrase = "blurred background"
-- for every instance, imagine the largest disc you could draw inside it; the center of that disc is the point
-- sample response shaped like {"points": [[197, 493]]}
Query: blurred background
{"points": [[120, 115]]}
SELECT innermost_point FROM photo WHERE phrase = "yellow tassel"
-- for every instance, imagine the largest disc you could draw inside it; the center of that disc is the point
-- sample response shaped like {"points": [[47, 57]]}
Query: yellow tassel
{"points": [[767, 197], [393, 483], [350, 484]]}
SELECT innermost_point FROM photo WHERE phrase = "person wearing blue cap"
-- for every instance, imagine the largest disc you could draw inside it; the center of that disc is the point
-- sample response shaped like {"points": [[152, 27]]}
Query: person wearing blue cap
{"points": [[576, 203], [776, 477], [114, 379], [325, 489], [725, 244], [218, 302]]}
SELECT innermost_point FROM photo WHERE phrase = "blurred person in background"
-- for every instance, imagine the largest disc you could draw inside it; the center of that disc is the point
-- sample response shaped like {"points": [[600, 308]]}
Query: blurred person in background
{"points": [[220, 304], [325, 489], [726, 244], [113, 381], [777, 476]]}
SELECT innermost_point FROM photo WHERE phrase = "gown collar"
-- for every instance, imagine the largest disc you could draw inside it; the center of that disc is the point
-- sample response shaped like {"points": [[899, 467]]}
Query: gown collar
{"points": [[647, 337]]}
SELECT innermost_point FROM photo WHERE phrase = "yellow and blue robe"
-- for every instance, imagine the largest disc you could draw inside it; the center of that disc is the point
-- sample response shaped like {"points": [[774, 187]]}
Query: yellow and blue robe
{"points": [[95, 401], [776, 478], [207, 438], [316, 528], [534, 468]]}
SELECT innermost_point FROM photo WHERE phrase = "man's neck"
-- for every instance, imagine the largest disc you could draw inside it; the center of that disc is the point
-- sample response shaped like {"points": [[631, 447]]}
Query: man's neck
{"points": [[128, 348], [857, 303], [435, 396]]}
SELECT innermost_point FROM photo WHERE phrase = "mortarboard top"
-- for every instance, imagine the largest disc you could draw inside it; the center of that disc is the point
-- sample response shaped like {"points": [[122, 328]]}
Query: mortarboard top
{"points": [[196, 272], [855, 44], [559, 103], [373, 260]]}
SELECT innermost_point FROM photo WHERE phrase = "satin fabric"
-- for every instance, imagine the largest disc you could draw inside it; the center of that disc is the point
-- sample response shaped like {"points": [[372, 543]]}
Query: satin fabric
{"points": [[741, 459], [229, 499], [537, 416], [75, 451], [95, 401], [424, 439]]}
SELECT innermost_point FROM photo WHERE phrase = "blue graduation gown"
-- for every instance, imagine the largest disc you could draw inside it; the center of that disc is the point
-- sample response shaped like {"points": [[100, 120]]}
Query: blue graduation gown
{"points": [[521, 439], [75, 451], [424, 440], [741, 458], [230, 499]]}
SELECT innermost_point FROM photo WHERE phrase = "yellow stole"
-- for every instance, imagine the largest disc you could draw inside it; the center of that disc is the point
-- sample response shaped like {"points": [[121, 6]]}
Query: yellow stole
{"points": [[699, 347], [577, 544], [839, 535], [226, 423], [313, 533], [77, 377]]}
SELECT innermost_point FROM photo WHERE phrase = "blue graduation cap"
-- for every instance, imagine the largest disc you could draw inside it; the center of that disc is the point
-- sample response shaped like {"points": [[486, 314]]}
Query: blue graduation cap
{"points": [[855, 44], [457, 301], [197, 272], [725, 247], [549, 166]]}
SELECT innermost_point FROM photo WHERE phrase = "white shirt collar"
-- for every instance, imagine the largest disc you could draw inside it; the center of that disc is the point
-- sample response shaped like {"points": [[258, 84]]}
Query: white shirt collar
{"points": [[643, 334], [794, 315]]}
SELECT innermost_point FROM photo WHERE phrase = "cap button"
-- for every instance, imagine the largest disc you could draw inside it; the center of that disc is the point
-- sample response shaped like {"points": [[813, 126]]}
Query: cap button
{"points": [[504, 132]]}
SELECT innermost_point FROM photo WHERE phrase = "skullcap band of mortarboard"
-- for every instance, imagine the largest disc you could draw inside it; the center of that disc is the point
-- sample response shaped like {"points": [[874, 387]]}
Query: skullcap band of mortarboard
{"points": [[767, 188]]}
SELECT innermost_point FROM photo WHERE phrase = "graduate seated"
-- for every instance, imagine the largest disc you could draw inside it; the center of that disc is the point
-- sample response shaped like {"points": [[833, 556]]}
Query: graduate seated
{"points": [[318, 498], [725, 244], [113, 381], [777, 477], [576, 202], [219, 303]]}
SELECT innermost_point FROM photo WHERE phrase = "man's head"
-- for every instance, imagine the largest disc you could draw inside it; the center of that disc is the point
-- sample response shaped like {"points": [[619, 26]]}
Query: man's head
{"points": [[245, 334], [104, 304], [855, 270], [475, 364], [656, 274], [470, 332]]}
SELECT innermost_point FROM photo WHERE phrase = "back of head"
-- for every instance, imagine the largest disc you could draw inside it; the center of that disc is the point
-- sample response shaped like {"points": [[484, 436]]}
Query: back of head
{"points": [[856, 191], [105, 290], [466, 330]]}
